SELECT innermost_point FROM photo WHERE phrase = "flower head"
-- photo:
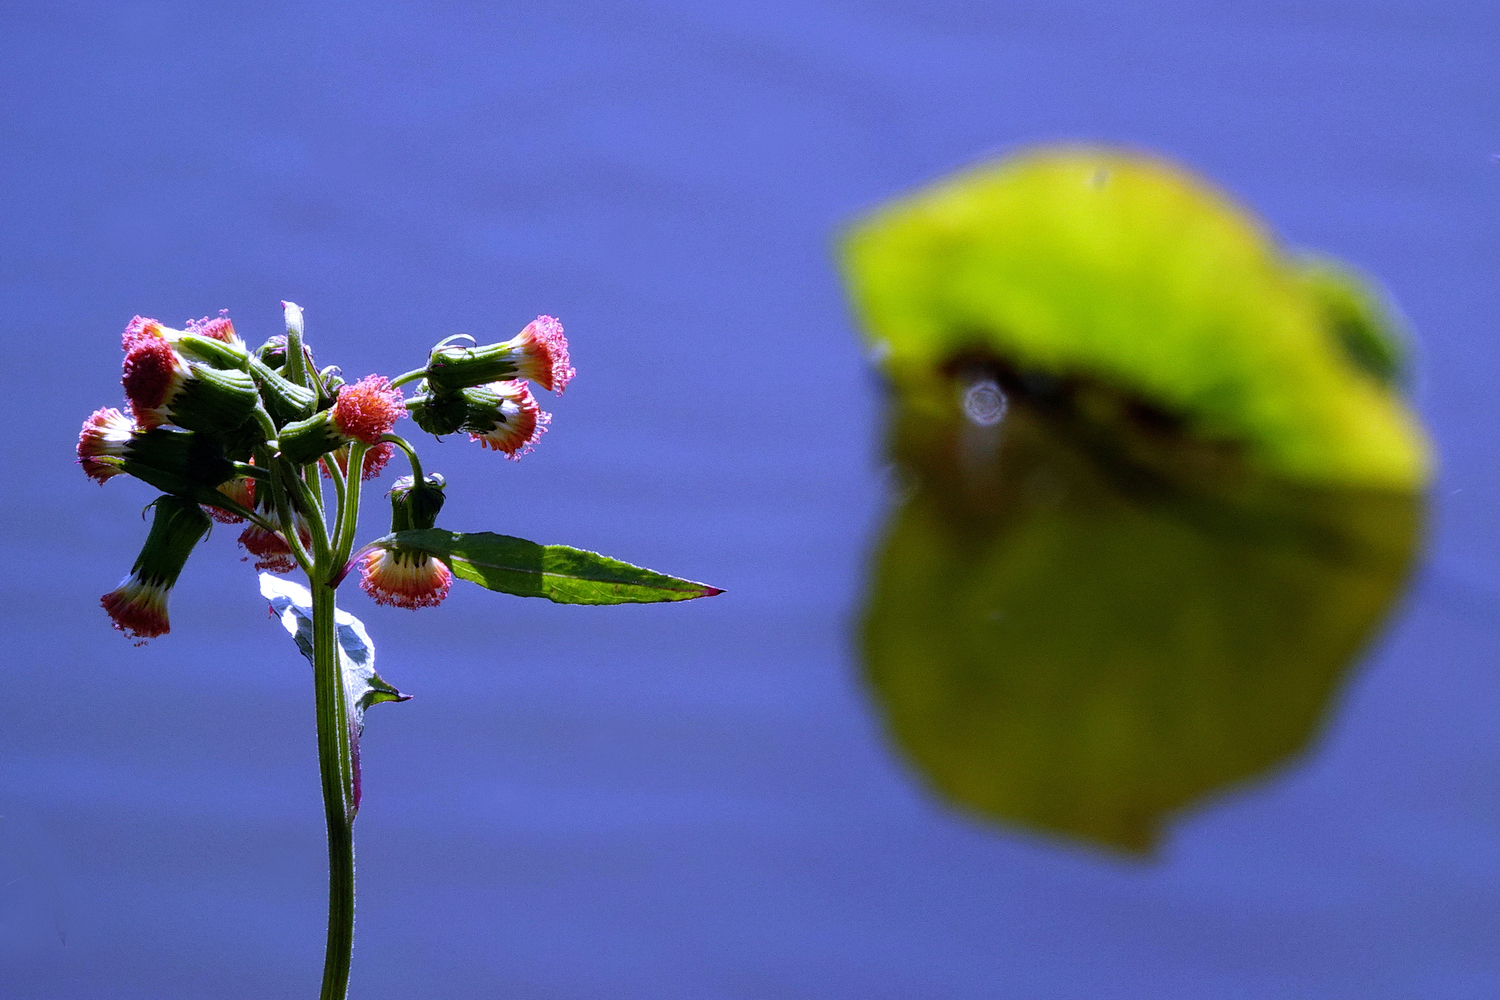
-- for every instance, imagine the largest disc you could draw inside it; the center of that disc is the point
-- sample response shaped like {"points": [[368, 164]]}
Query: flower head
{"points": [[140, 327], [542, 354], [368, 409], [415, 506], [105, 434], [505, 416], [270, 549], [403, 578], [138, 605], [153, 374], [138, 608], [165, 387], [219, 328], [241, 490], [376, 459]]}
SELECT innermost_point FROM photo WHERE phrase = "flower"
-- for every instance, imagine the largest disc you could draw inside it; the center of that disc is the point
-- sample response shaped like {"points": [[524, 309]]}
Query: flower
{"points": [[539, 353], [241, 490], [543, 354], [164, 387], [368, 409], [505, 416], [219, 328], [270, 549], [105, 433], [363, 412], [376, 459], [153, 373], [140, 327], [138, 606], [403, 578]]}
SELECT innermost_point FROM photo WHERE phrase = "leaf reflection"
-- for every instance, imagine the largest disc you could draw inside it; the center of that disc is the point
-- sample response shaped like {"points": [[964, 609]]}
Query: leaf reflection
{"points": [[1082, 618]]}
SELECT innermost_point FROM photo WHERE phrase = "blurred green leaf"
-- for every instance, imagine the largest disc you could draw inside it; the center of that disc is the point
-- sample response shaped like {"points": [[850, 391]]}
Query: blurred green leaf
{"points": [[557, 572], [1158, 489]]}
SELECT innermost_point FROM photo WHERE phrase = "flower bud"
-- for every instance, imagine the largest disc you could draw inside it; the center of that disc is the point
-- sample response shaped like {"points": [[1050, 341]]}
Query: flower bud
{"points": [[139, 604], [416, 506], [438, 414], [285, 401], [504, 416], [273, 352], [539, 353], [292, 313]]}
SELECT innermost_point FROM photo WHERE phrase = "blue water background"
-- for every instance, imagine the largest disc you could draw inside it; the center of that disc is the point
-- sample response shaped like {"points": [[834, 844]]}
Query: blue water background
{"points": [[687, 801]]}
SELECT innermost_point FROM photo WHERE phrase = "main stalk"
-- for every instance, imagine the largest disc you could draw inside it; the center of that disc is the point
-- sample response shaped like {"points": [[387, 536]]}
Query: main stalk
{"points": [[340, 792]]}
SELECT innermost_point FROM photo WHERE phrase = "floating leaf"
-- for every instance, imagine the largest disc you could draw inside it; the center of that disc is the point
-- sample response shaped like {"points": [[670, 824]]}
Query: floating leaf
{"points": [[363, 687], [557, 572], [1161, 490]]}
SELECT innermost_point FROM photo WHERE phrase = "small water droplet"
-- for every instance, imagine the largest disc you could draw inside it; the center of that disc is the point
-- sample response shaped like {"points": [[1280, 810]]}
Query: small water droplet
{"points": [[985, 404]]}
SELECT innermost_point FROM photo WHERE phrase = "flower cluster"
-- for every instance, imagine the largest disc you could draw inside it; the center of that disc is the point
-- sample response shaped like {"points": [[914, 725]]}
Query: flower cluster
{"points": [[238, 435]]}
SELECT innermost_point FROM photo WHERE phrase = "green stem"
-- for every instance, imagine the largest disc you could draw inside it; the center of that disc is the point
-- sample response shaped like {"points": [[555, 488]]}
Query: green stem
{"points": [[339, 770], [410, 376], [411, 454], [348, 519], [288, 524]]}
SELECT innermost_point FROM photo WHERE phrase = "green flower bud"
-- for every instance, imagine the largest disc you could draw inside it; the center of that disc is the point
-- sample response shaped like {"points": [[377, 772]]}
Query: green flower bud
{"points": [[415, 506], [440, 413], [284, 400], [308, 440], [272, 353]]}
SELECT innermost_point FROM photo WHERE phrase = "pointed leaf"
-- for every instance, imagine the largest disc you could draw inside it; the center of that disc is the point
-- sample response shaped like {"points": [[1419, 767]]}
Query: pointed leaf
{"points": [[363, 687], [559, 573]]}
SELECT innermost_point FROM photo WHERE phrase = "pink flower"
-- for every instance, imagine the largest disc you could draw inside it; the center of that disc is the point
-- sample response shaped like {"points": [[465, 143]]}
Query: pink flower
{"points": [[376, 459], [368, 409], [219, 328], [139, 608], [140, 327], [153, 373], [270, 549], [505, 416], [241, 490], [403, 578], [543, 354], [105, 433]]}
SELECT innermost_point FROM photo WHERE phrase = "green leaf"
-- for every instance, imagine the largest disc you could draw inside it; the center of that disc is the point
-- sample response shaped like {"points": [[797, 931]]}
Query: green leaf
{"points": [[1162, 488], [557, 572], [1121, 269], [363, 687]]}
